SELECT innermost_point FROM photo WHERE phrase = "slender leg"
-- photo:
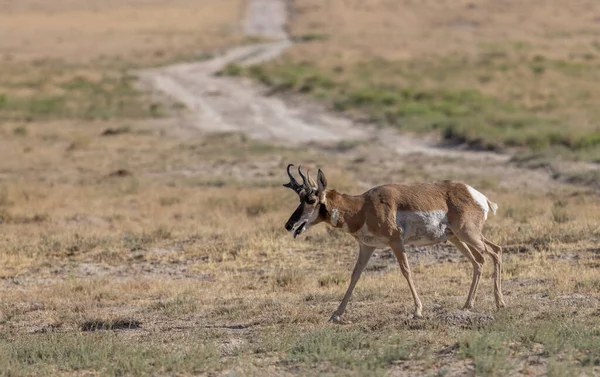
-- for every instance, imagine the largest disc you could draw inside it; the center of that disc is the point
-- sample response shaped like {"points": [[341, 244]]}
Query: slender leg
{"points": [[477, 261], [478, 243], [364, 255], [398, 248], [496, 255]]}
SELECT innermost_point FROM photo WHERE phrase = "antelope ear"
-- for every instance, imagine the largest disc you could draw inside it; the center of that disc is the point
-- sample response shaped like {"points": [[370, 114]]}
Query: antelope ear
{"points": [[321, 182]]}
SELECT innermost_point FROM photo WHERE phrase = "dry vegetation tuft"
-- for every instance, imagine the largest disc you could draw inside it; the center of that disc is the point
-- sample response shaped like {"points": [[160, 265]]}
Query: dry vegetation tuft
{"points": [[133, 245]]}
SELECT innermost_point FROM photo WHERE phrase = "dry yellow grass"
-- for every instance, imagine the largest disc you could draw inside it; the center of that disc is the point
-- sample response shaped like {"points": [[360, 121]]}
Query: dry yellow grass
{"points": [[154, 249], [406, 29], [84, 31], [190, 251]]}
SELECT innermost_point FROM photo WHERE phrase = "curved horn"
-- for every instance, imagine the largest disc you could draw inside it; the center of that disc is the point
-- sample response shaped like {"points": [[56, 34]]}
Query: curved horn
{"points": [[292, 179], [304, 179], [293, 184]]}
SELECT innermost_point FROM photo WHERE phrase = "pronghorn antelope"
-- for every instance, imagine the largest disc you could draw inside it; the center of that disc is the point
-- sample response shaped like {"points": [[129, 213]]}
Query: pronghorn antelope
{"points": [[399, 215]]}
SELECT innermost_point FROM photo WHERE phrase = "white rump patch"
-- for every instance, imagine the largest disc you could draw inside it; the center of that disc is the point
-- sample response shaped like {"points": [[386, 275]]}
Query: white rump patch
{"points": [[480, 199]]}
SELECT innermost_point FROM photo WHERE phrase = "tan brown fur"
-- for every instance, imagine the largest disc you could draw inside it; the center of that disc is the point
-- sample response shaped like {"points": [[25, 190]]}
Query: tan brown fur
{"points": [[386, 215], [383, 201]]}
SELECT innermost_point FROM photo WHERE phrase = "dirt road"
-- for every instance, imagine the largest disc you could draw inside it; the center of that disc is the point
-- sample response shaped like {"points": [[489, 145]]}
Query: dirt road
{"points": [[225, 104], [222, 104]]}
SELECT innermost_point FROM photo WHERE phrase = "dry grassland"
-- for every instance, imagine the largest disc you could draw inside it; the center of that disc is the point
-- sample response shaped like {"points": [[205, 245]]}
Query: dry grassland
{"points": [[133, 245], [145, 252], [77, 31], [510, 74]]}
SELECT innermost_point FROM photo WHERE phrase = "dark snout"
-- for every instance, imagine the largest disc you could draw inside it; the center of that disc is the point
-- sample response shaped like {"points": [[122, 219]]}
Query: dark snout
{"points": [[294, 218]]}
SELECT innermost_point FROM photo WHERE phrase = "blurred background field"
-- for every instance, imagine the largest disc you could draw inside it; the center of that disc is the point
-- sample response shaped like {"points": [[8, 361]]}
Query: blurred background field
{"points": [[495, 75], [134, 244]]}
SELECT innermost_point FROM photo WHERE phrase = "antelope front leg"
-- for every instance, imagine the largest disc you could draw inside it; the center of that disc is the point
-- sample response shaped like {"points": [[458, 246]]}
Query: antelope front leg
{"points": [[398, 248], [364, 255]]}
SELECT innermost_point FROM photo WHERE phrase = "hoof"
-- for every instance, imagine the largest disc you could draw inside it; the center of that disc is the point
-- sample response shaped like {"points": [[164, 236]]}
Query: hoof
{"points": [[336, 318], [500, 305], [417, 315]]}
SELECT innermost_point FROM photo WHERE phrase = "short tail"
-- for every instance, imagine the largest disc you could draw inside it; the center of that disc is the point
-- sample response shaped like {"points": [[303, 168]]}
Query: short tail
{"points": [[493, 206]]}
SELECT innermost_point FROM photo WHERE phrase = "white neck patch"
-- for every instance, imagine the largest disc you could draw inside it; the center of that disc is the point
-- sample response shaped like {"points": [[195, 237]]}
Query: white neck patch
{"points": [[335, 214]]}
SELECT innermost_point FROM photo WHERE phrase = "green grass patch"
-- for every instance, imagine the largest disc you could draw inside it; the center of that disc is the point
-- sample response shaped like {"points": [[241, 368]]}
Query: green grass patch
{"points": [[108, 353], [567, 343], [53, 93], [489, 352], [424, 97], [310, 37], [178, 306], [350, 349]]}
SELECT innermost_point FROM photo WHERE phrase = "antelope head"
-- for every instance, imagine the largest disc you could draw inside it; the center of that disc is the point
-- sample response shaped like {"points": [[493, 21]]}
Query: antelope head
{"points": [[312, 208]]}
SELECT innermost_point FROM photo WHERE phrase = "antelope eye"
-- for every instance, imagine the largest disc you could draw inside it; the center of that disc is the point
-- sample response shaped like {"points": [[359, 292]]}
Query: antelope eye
{"points": [[311, 200]]}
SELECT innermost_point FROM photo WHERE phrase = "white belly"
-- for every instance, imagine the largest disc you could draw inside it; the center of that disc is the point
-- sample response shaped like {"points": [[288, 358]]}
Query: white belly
{"points": [[366, 237], [423, 228]]}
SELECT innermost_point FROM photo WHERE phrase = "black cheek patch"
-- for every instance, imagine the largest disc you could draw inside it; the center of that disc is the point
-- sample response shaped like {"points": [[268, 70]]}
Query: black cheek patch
{"points": [[295, 217]]}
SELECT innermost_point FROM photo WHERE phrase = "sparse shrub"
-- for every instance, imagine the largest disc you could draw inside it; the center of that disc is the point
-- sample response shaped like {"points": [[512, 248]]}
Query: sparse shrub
{"points": [[116, 131], [257, 209], [289, 278], [112, 324], [135, 242], [20, 131], [169, 201], [309, 37], [178, 306], [591, 140], [560, 213], [332, 279], [489, 352], [327, 344], [80, 244], [377, 266], [350, 348], [231, 69], [588, 285], [203, 56], [155, 110], [4, 201], [5, 217], [538, 68]]}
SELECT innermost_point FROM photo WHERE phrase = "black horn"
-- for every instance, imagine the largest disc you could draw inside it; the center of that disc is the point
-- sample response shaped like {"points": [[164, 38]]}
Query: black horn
{"points": [[293, 184], [304, 179]]}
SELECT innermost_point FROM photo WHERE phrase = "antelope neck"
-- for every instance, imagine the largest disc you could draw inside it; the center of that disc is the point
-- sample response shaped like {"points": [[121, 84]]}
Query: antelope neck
{"points": [[342, 210]]}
